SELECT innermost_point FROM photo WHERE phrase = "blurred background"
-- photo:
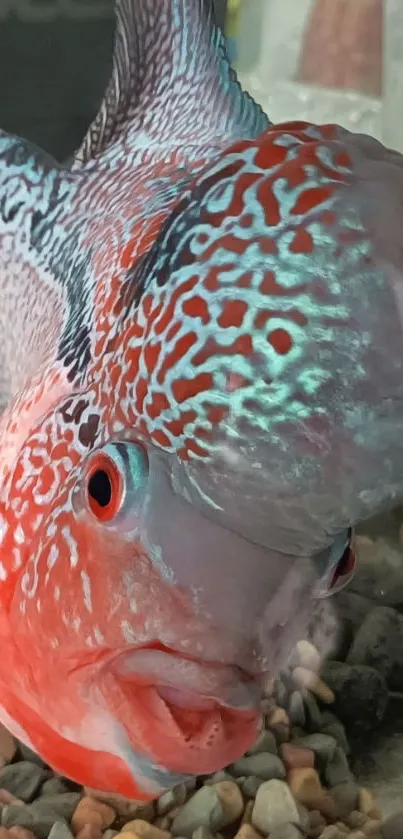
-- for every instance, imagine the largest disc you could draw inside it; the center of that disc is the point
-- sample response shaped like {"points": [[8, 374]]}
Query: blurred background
{"points": [[315, 59], [321, 60]]}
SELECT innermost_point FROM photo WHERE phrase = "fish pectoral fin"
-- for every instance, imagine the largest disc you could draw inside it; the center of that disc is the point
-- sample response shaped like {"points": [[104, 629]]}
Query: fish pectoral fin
{"points": [[171, 84]]}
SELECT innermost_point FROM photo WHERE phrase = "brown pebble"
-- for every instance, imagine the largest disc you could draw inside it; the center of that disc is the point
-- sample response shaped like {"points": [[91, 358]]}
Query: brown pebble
{"points": [[144, 830], [296, 757], [93, 812], [343, 827], [305, 785], [231, 799], [8, 744], [246, 831], [21, 832], [278, 716], [247, 813], [278, 722], [365, 803], [7, 797], [89, 831], [306, 679], [128, 808], [326, 806], [4, 834]]}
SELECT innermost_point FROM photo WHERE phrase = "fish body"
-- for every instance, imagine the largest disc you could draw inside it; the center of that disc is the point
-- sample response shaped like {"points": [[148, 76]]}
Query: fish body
{"points": [[199, 402]]}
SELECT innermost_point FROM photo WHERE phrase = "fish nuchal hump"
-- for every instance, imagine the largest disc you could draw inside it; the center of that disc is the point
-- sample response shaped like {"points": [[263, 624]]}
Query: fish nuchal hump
{"points": [[171, 85]]}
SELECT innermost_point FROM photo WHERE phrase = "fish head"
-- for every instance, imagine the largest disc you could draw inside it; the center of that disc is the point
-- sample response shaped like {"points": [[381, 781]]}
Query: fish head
{"points": [[126, 664]]}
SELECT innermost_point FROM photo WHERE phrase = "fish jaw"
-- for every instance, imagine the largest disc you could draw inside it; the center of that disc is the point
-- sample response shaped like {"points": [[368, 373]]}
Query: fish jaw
{"points": [[193, 717]]}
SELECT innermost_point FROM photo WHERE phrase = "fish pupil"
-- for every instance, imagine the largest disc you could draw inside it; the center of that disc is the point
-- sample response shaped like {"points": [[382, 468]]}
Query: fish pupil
{"points": [[100, 488]]}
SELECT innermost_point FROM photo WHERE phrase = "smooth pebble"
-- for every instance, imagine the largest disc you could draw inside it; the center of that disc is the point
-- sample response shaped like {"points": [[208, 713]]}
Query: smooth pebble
{"points": [[263, 765], [23, 779], [274, 805]]}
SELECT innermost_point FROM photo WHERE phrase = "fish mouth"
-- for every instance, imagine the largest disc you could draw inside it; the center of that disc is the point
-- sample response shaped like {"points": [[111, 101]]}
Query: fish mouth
{"points": [[191, 717]]}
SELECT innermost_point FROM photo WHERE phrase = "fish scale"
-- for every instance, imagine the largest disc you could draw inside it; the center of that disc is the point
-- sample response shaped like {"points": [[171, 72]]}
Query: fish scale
{"points": [[199, 402]]}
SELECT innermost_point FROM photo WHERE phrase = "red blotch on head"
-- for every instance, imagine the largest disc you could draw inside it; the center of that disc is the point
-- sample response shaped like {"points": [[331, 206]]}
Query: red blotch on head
{"points": [[161, 439], [269, 202], [158, 404], [269, 154], [280, 340], [302, 242], [309, 199], [341, 158], [181, 348], [141, 391], [233, 313], [196, 307], [177, 427], [184, 389]]}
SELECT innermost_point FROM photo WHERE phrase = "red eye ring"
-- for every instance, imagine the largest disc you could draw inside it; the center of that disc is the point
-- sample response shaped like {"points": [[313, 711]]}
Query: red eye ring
{"points": [[104, 488]]}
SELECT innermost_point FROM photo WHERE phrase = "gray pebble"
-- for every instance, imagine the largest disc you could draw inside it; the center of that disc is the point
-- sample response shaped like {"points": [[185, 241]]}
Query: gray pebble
{"points": [[60, 830], [280, 693], [313, 717], [54, 786], [31, 756], [172, 798], [266, 742], [336, 730], [361, 695], [296, 709], [323, 746], [286, 831], [392, 826], [37, 817], [274, 806], [378, 643], [337, 770], [345, 797], [22, 779], [304, 818], [297, 732], [203, 809], [202, 833], [264, 765], [64, 804], [250, 786]]}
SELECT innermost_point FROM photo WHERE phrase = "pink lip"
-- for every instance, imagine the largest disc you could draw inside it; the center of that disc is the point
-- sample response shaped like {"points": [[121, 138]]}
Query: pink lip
{"points": [[187, 683]]}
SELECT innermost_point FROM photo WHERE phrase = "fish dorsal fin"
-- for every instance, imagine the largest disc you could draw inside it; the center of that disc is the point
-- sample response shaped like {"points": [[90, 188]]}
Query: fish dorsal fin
{"points": [[171, 83]]}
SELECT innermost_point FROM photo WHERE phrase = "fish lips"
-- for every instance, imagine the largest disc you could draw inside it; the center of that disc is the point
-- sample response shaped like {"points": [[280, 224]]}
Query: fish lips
{"points": [[189, 684]]}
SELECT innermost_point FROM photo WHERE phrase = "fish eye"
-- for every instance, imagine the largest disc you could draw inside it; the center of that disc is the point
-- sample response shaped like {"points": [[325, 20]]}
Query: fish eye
{"points": [[104, 488], [116, 475]]}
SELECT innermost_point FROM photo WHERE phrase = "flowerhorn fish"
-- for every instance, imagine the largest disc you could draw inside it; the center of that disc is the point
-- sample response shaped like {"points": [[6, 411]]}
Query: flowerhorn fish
{"points": [[201, 390]]}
